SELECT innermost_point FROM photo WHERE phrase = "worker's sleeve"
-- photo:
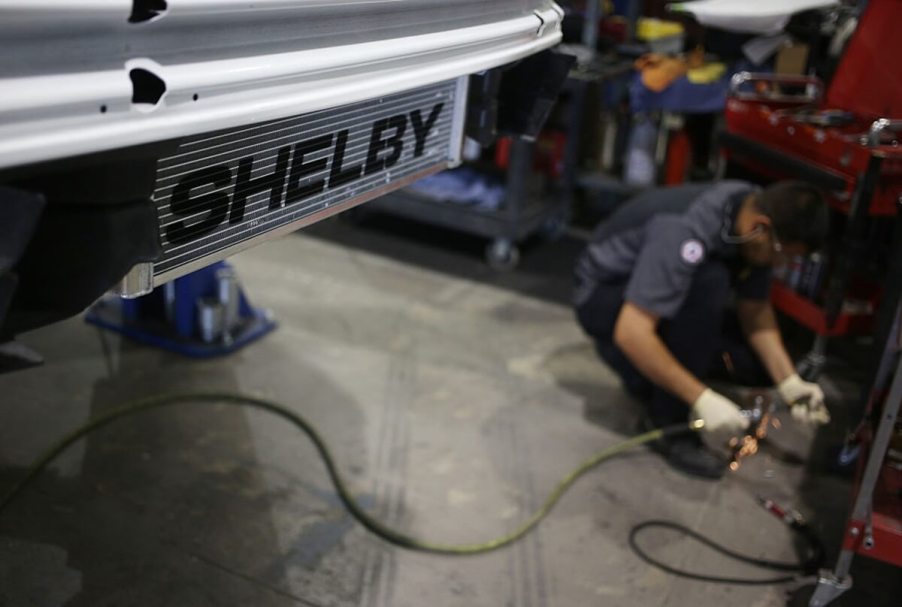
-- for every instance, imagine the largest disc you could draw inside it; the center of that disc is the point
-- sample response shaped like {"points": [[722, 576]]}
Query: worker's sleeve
{"points": [[754, 284], [670, 254]]}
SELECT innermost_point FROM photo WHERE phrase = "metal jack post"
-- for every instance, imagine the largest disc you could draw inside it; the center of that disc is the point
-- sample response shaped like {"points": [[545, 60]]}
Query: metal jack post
{"points": [[859, 536], [203, 314]]}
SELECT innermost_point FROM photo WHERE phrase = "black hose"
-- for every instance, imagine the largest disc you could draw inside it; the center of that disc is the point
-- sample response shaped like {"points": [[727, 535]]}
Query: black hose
{"points": [[810, 565]]}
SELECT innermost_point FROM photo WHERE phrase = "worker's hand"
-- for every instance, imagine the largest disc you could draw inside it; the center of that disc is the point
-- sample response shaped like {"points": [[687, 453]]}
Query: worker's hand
{"points": [[805, 400], [720, 414]]}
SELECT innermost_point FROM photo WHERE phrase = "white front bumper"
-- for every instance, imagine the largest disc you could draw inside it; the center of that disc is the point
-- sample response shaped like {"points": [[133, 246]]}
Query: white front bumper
{"points": [[60, 115]]}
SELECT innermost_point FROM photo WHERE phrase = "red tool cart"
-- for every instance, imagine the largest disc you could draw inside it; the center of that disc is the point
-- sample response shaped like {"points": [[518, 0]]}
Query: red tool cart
{"points": [[843, 139]]}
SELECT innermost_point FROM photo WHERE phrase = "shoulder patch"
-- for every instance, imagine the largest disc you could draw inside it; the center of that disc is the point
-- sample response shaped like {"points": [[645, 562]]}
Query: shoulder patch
{"points": [[692, 251]]}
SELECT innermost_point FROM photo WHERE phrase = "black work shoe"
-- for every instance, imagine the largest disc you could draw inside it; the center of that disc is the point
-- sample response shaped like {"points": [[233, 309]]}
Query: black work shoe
{"points": [[689, 455]]}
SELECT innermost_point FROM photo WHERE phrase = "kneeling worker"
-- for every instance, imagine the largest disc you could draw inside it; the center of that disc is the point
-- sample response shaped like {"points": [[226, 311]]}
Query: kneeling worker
{"points": [[653, 288]]}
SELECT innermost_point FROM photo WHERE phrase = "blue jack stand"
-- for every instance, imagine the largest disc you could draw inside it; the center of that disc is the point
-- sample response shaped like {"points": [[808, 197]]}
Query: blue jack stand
{"points": [[201, 315]]}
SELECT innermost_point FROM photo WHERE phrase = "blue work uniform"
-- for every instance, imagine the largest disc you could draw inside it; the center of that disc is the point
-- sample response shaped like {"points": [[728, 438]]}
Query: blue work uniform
{"points": [[672, 252]]}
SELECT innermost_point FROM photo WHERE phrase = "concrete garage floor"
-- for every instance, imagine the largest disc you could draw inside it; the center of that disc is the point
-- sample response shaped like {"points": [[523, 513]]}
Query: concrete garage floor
{"points": [[452, 406]]}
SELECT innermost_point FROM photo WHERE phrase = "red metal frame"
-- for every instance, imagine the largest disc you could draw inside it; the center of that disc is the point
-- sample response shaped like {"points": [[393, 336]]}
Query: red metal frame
{"points": [[548, 157], [812, 316], [881, 537], [778, 129], [679, 157], [866, 84], [861, 83], [874, 526], [840, 151]]}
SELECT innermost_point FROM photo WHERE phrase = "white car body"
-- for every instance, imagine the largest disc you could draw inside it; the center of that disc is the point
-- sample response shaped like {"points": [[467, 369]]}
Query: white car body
{"points": [[65, 72], [143, 139]]}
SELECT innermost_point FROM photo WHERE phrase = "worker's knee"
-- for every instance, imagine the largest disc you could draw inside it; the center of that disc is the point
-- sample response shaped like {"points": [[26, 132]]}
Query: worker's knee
{"points": [[635, 383]]}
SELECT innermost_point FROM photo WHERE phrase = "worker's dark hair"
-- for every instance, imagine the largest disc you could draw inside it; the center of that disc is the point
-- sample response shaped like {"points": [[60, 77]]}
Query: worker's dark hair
{"points": [[798, 212]]}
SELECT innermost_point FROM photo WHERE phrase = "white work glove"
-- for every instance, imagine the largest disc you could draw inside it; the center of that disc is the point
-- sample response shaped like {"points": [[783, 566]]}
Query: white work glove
{"points": [[805, 400], [720, 414]]}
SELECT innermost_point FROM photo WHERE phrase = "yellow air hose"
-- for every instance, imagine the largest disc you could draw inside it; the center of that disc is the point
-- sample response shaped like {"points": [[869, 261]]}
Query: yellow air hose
{"points": [[387, 533]]}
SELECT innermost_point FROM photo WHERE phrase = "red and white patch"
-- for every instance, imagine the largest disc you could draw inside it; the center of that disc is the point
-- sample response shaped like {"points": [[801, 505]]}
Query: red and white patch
{"points": [[692, 251]]}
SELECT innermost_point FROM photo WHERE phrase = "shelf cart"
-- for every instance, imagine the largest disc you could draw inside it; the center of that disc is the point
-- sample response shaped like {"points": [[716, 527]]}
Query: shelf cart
{"points": [[525, 211]]}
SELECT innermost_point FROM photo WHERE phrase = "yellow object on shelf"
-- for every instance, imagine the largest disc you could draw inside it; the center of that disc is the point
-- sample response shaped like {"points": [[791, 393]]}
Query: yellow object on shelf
{"points": [[654, 29], [710, 72]]}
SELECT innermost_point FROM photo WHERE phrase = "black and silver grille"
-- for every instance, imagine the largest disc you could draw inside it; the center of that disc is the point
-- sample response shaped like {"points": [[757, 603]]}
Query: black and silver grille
{"points": [[221, 192]]}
